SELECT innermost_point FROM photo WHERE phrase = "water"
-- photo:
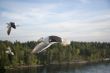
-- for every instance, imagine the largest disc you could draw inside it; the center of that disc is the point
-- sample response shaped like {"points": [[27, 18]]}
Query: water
{"points": [[88, 68]]}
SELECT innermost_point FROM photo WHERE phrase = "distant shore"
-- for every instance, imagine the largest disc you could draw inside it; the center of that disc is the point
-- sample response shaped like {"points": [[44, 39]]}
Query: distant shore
{"points": [[62, 63]]}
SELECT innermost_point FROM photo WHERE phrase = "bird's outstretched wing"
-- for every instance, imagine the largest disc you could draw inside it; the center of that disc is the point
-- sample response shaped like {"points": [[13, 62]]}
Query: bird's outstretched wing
{"points": [[9, 30], [12, 53], [41, 47], [7, 52], [47, 46]]}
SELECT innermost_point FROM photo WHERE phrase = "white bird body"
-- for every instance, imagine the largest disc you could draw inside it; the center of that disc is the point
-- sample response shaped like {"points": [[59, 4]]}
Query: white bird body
{"points": [[8, 51], [46, 42]]}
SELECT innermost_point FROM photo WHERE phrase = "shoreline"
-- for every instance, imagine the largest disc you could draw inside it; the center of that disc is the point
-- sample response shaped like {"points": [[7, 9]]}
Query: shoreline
{"points": [[62, 63], [23, 66]]}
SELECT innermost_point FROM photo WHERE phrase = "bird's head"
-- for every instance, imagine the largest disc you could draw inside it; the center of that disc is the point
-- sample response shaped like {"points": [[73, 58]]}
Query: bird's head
{"points": [[65, 42]]}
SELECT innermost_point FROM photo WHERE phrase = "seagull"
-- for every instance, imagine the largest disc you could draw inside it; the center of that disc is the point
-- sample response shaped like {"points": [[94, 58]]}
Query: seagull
{"points": [[8, 51], [47, 42], [10, 54], [9, 26]]}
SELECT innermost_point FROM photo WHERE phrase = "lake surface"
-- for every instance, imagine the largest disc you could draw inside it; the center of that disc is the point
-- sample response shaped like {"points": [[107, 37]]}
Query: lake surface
{"points": [[87, 68]]}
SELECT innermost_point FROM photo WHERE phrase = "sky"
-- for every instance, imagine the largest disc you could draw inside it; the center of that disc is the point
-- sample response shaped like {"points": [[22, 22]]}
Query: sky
{"points": [[75, 20]]}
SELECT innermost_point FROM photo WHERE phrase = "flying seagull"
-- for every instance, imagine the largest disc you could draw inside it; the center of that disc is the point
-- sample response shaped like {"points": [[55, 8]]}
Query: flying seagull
{"points": [[9, 26], [47, 42], [10, 54], [8, 51]]}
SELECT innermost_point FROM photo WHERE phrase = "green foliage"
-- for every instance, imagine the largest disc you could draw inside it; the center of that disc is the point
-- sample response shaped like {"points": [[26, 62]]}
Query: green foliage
{"points": [[76, 51]]}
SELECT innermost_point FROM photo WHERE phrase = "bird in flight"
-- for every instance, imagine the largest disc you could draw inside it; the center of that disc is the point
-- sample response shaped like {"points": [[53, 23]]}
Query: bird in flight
{"points": [[10, 25], [10, 54], [47, 42], [9, 51]]}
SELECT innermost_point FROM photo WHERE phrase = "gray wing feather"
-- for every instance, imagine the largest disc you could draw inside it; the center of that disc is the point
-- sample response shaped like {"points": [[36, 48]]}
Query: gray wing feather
{"points": [[39, 47], [9, 30], [47, 46]]}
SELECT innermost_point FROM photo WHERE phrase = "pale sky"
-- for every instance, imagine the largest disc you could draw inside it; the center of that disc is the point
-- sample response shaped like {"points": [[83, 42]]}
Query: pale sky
{"points": [[76, 20]]}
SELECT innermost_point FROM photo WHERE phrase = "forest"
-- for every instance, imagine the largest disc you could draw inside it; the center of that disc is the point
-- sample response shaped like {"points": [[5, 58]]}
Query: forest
{"points": [[56, 54]]}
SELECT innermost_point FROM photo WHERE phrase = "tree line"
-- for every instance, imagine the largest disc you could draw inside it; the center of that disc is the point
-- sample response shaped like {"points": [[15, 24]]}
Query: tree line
{"points": [[76, 51]]}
